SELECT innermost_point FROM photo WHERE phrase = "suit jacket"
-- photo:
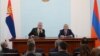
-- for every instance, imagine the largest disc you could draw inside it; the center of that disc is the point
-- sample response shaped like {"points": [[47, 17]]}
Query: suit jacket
{"points": [[7, 50], [61, 53], [69, 32], [35, 33], [54, 50], [76, 52], [38, 50]]}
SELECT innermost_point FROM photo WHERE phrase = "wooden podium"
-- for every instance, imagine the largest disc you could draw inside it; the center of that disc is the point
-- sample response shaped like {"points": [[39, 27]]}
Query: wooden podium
{"points": [[47, 44]]}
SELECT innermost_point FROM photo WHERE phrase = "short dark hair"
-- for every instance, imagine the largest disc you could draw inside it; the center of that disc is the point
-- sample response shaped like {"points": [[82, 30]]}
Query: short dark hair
{"points": [[31, 46], [63, 45], [84, 40]]}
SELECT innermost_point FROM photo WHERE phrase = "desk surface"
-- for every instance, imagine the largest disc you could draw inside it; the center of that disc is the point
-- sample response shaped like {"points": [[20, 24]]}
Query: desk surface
{"points": [[43, 39]]}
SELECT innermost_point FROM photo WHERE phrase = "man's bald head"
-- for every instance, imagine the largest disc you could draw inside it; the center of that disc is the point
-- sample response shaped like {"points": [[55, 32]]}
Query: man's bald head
{"points": [[4, 45]]}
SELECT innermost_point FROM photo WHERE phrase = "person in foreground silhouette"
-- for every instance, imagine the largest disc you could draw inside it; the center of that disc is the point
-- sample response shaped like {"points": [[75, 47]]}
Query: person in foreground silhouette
{"points": [[56, 46], [32, 50], [6, 51], [62, 50], [83, 50]]}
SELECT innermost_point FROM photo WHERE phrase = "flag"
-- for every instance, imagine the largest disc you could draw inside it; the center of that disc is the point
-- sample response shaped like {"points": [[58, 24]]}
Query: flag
{"points": [[10, 20], [95, 32]]}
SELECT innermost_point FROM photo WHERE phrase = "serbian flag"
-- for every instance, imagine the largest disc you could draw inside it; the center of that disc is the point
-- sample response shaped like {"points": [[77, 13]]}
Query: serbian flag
{"points": [[10, 20], [95, 33]]}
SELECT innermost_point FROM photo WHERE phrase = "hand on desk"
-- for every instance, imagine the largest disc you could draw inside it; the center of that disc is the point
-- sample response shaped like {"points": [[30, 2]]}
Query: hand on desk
{"points": [[63, 37]]}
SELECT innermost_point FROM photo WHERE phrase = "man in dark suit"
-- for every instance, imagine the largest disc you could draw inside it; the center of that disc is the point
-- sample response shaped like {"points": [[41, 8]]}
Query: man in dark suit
{"points": [[6, 51], [62, 50], [56, 46], [38, 31], [32, 50], [83, 48], [66, 32], [4, 46]]}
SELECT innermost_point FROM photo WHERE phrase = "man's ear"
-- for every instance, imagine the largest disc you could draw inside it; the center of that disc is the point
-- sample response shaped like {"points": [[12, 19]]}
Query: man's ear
{"points": [[59, 48]]}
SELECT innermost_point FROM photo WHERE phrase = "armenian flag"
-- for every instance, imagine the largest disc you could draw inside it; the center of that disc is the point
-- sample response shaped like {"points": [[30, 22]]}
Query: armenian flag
{"points": [[96, 23]]}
